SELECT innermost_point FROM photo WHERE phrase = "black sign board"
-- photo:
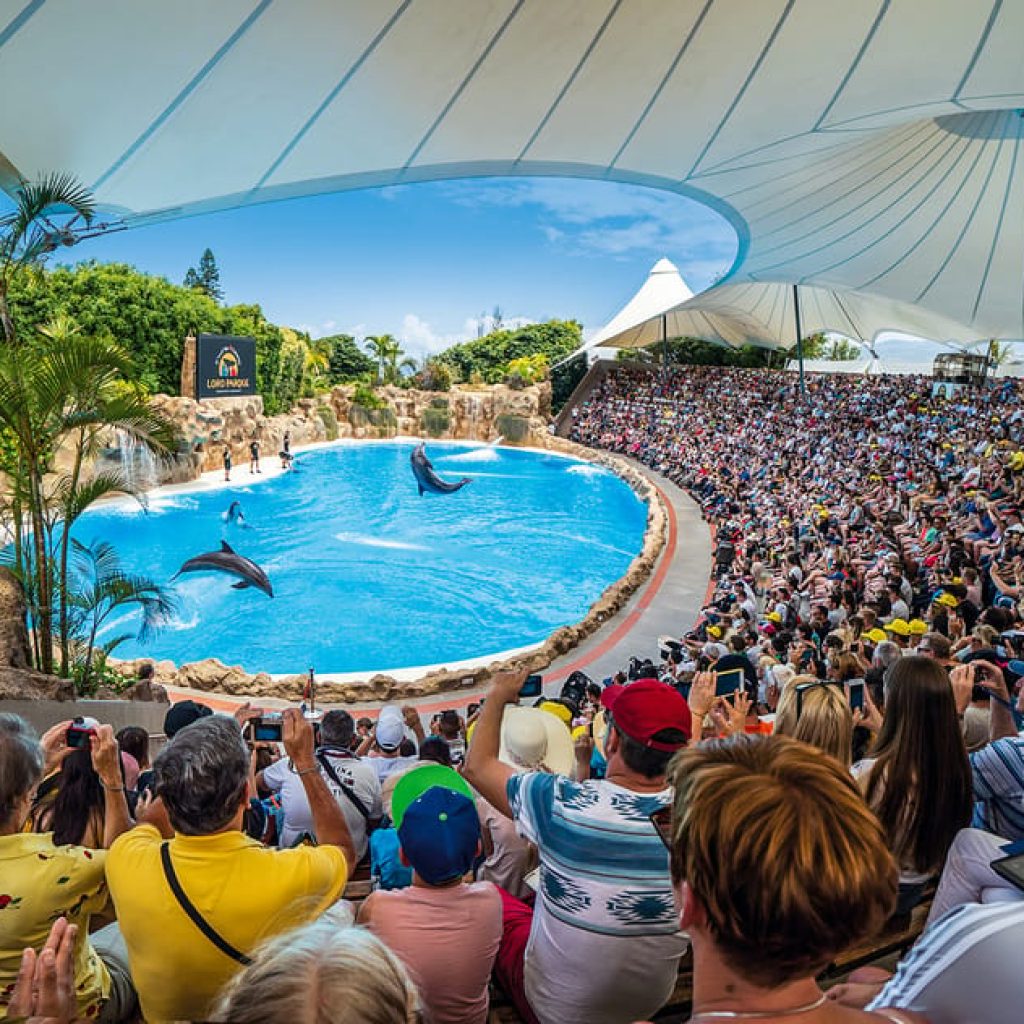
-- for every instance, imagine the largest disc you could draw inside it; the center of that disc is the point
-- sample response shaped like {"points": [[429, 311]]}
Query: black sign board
{"points": [[225, 366]]}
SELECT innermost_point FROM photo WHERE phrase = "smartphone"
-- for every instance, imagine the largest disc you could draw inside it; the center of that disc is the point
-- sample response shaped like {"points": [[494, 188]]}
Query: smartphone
{"points": [[856, 692], [533, 687], [77, 736], [1011, 868], [728, 682], [267, 729]]}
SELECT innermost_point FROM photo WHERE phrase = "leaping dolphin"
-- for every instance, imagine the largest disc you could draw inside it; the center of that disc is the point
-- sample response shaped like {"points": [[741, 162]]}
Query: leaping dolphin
{"points": [[234, 514], [227, 560], [426, 477]]}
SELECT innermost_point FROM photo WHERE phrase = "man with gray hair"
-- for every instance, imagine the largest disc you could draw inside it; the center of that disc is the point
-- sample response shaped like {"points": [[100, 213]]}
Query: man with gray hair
{"points": [[194, 905]]}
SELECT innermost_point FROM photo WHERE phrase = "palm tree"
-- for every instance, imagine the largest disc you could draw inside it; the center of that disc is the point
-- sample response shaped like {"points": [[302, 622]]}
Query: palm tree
{"points": [[317, 360], [396, 362], [98, 588], [31, 232], [379, 346], [62, 394]]}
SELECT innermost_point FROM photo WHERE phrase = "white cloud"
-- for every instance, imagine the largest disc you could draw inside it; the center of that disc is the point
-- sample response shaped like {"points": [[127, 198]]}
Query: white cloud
{"points": [[591, 218], [420, 339], [329, 325]]}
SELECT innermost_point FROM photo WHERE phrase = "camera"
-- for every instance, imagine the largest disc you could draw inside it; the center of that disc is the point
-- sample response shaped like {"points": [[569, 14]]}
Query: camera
{"points": [[78, 734], [532, 687]]}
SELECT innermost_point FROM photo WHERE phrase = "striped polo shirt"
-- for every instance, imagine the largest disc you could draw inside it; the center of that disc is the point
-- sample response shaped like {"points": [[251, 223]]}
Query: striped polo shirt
{"points": [[999, 787], [605, 942]]}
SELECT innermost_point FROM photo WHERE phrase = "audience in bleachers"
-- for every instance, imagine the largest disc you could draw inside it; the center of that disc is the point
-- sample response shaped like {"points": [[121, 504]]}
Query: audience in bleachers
{"points": [[868, 580]]}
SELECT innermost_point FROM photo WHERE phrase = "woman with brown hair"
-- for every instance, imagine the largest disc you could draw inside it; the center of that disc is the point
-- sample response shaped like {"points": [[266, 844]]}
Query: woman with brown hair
{"points": [[918, 779]]}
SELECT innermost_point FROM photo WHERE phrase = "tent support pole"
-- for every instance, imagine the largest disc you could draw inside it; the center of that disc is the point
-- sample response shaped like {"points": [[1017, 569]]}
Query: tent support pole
{"points": [[799, 342], [664, 342]]}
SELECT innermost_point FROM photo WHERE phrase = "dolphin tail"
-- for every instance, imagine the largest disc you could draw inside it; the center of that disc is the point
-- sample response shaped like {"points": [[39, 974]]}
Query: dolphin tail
{"points": [[420, 486]]}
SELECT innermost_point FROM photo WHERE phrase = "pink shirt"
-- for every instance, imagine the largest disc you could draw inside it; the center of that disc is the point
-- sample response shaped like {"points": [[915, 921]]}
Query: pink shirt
{"points": [[448, 939]]}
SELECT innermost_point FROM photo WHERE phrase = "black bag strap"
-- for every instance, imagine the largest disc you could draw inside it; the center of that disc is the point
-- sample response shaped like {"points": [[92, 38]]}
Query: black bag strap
{"points": [[189, 907], [325, 763]]}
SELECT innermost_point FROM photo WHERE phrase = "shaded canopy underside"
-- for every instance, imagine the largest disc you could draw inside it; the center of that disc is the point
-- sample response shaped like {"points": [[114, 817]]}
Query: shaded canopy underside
{"points": [[864, 145]]}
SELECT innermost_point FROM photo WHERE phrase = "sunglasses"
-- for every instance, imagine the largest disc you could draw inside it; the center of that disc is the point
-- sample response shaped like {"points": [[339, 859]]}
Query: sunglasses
{"points": [[661, 819]]}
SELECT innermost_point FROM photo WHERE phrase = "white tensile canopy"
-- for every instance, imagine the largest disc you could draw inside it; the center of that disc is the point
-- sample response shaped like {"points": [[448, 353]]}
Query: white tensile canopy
{"points": [[663, 290], [872, 146], [764, 314]]}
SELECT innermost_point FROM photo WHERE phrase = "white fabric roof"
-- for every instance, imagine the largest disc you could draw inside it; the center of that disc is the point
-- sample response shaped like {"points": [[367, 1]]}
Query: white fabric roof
{"points": [[871, 145], [764, 314], [663, 289]]}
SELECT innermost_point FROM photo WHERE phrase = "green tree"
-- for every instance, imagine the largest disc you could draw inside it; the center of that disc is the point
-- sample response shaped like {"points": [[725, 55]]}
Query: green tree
{"points": [[490, 355], [99, 587], [379, 346], [62, 393], [30, 233], [345, 361], [841, 350], [205, 278]]}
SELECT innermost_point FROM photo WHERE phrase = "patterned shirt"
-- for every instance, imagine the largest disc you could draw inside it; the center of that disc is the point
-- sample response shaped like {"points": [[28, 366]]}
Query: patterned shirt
{"points": [[40, 882], [999, 787], [605, 943]]}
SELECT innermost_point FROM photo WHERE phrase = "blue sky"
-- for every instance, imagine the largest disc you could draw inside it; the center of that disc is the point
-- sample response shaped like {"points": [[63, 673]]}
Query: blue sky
{"points": [[423, 261]]}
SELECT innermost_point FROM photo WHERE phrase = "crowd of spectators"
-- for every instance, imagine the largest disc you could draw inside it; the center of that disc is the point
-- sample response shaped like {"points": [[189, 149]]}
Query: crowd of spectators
{"points": [[834, 744]]}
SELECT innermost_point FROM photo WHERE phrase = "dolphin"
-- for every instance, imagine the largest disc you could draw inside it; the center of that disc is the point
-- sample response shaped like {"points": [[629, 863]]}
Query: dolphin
{"points": [[426, 478], [227, 560], [234, 514]]}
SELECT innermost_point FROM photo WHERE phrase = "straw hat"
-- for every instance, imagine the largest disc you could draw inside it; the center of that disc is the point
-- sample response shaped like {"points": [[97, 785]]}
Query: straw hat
{"points": [[532, 739]]}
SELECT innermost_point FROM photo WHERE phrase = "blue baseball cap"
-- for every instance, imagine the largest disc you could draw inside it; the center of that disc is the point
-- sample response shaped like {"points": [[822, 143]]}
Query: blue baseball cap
{"points": [[440, 833]]}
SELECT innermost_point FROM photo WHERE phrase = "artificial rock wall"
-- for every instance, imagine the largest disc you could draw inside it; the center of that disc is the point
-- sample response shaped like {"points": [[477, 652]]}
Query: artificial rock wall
{"points": [[206, 426]]}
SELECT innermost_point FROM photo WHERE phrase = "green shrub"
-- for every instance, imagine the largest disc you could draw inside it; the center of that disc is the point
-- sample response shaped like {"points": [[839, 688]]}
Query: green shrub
{"points": [[365, 396], [329, 420], [435, 421], [515, 429], [439, 403]]}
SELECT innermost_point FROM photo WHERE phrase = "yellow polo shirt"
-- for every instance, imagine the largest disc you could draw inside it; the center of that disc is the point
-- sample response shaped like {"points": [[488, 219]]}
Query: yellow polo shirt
{"points": [[39, 882], [244, 890]]}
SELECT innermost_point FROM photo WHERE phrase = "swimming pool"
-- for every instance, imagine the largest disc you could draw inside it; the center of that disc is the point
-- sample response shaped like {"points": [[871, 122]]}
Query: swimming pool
{"points": [[369, 576]]}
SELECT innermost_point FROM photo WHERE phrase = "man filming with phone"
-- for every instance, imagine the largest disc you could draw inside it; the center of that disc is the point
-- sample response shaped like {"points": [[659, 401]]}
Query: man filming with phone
{"points": [[194, 895], [352, 781]]}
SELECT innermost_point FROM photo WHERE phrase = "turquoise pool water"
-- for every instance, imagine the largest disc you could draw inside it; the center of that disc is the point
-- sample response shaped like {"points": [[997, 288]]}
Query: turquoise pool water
{"points": [[369, 575]]}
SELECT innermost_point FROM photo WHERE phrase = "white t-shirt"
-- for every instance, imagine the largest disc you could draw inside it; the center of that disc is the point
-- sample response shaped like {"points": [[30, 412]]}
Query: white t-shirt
{"points": [[605, 943], [353, 771], [385, 766]]}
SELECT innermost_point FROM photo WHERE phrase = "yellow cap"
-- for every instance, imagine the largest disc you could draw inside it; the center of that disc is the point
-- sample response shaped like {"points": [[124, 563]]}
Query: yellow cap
{"points": [[918, 627], [898, 626], [876, 635]]}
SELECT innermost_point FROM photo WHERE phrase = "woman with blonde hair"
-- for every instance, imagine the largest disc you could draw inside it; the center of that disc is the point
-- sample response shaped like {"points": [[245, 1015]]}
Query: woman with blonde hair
{"points": [[318, 974], [817, 713]]}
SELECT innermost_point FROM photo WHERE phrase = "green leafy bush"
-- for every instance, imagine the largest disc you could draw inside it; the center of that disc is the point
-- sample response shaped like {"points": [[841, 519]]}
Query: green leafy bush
{"points": [[365, 396]]}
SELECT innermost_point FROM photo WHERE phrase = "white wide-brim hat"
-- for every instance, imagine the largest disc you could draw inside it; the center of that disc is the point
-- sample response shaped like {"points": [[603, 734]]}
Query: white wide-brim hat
{"points": [[533, 740]]}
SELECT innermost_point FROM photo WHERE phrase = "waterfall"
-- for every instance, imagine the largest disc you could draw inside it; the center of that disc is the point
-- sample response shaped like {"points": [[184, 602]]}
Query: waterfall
{"points": [[137, 463], [473, 403]]}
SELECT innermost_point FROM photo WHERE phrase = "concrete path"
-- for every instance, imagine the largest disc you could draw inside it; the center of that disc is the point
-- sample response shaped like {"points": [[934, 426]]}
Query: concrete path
{"points": [[668, 603]]}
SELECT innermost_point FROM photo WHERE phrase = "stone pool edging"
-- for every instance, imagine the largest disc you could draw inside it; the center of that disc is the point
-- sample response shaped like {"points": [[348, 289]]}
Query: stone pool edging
{"points": [[213, 676]]}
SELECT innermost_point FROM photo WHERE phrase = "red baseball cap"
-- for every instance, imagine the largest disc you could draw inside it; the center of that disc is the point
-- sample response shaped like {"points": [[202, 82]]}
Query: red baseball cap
{"points": [[645, 707]]}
